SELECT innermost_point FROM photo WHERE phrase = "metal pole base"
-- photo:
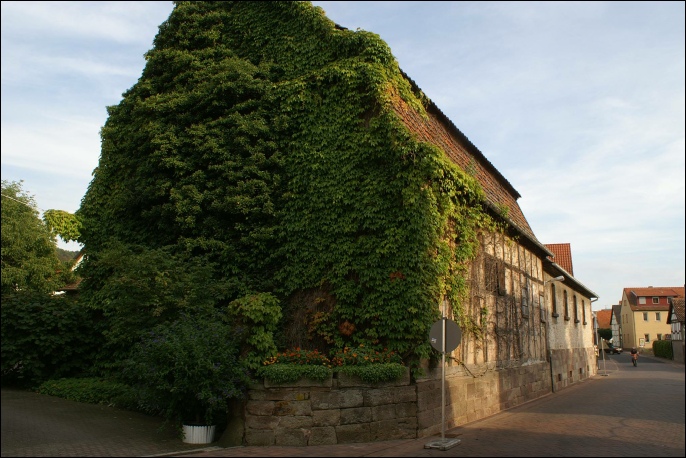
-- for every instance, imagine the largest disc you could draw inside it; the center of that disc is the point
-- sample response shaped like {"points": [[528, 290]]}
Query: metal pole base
{"points": [[443, 444]]}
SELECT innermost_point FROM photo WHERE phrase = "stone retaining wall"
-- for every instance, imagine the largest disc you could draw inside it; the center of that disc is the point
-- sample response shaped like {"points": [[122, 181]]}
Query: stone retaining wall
{"points": [[573, 365], [346, 410], [340, 410], [476, 394]]}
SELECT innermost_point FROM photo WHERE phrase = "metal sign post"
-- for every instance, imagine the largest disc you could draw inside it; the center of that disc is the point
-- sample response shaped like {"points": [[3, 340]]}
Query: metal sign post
{"points": [[445, 336], [601, 343]]}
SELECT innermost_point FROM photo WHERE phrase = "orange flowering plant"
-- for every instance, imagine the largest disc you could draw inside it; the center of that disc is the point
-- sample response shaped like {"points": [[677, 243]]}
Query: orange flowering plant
{"points": [[368, 364], [294, 364], [299, 356]]}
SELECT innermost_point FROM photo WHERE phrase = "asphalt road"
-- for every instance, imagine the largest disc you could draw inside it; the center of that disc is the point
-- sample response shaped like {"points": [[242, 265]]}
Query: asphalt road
{"points": [[623, 411]]}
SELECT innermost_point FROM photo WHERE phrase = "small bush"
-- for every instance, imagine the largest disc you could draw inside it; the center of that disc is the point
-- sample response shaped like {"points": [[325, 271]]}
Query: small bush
{"points": [[46, 337], [663, 349], [189, 369], [92, 390], [289, 373], [375, 373], [370, 365], [260, 313]]}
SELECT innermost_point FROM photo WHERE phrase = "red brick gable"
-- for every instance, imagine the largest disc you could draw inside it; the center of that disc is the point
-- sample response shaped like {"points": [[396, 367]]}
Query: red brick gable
{"points": [[563, 255], [440, 131]]}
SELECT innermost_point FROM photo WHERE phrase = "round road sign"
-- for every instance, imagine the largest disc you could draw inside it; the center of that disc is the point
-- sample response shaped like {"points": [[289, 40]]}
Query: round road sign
{"points": [[453, 335]]}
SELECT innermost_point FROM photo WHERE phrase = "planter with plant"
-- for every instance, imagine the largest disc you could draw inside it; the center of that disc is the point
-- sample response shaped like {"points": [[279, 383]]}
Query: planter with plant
{"points": [[295, 364], [188, 370], [369, 365]]}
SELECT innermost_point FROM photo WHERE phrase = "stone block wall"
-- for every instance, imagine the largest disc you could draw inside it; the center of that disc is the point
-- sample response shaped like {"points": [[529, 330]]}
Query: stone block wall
{"points": [[470, 398], [340, 410], [573, 365], [346, 410]]}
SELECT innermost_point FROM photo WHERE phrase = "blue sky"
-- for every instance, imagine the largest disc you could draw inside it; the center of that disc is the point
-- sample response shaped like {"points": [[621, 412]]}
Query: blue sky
{"points": [[580, 105]]}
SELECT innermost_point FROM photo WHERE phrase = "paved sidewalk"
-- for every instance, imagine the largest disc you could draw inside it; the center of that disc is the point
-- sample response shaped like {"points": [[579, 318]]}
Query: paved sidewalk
{"points": [[623, 411], [627, 412]]}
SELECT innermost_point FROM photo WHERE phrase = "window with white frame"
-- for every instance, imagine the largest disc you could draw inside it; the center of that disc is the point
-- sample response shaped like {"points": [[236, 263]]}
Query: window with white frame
{"points": [[641, 300], [645, 316], [657, 316], [647, 337], [656, 300]]}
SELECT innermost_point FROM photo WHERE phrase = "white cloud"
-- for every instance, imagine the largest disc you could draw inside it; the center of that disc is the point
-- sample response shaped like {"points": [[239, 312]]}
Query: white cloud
{"points": [[68, 147], [120, 22]]}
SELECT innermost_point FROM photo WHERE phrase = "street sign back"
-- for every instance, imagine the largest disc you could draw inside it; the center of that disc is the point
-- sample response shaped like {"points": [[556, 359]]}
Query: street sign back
{"points": [[453, 335]]}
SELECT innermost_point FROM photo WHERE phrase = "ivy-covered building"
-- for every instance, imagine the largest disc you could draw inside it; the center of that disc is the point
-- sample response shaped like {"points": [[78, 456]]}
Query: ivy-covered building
{"points": [[293, 157]]}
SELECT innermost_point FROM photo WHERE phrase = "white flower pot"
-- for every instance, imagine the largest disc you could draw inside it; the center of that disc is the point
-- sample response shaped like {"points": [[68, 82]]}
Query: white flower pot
{"points": [[198, 434]]}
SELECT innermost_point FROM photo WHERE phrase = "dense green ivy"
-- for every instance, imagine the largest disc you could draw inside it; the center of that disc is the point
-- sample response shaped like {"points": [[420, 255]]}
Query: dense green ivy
{"points": [[261, 137]]}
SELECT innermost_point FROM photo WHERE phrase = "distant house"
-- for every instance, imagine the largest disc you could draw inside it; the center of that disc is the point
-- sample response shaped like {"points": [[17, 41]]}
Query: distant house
{"points": [[72, 288], [563, 255], [604, 318], [644, 314], [675, 318], [616, 325]]}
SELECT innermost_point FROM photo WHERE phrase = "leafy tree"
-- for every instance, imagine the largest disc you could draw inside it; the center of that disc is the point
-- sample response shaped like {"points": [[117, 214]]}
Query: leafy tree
{"points": [[605, 333], [62, 223], [138, 288], [29, 258]]}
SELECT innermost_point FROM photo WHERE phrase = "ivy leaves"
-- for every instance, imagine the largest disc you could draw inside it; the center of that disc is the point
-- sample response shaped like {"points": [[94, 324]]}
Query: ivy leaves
{"points": [[263, 139]]}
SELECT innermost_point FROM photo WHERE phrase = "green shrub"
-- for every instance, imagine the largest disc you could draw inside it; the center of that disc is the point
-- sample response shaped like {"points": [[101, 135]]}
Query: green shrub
{"points": [[260, 313], [663, 349], [187, 370], [370, 365], [375, 373], [289, 373], [45, 337], [92, 390]]}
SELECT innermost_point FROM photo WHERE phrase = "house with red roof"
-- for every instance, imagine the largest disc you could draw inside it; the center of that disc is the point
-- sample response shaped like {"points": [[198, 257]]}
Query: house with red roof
{"points": [[604, 317], [562, 255], [644, 314], [527, 324]]}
